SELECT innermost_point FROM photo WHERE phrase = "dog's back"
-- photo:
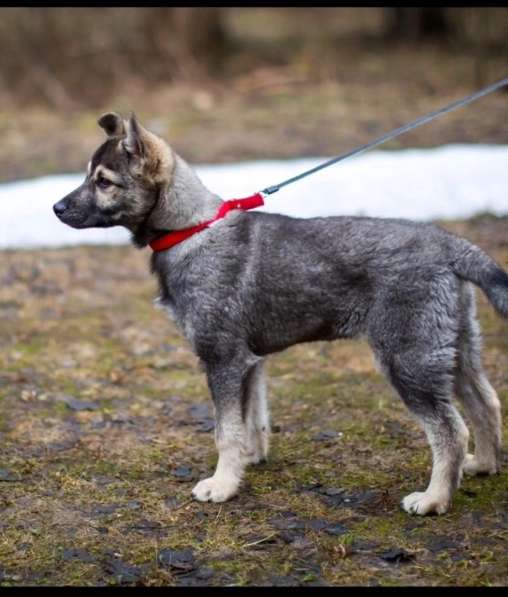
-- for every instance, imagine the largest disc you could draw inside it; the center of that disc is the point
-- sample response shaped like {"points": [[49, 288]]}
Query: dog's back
{"points": [[276, 280]]}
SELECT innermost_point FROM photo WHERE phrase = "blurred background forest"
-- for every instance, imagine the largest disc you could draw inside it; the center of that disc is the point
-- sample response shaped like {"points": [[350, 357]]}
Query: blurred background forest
{"points": [[226, 84]]}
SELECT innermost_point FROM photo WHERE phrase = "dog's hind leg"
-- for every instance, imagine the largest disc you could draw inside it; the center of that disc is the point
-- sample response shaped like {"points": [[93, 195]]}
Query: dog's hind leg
{"points": [[414, 333], [257, 415], [428, 397], [477, 396], [228, 385], [448, 437]]}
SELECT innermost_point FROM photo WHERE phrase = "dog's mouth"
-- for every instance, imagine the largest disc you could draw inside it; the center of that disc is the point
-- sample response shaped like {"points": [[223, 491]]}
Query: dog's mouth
{"points": [[78, 219]]}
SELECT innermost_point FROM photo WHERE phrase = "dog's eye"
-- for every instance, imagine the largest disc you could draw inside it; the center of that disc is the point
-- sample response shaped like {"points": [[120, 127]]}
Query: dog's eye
{"points": [[103, 183]]}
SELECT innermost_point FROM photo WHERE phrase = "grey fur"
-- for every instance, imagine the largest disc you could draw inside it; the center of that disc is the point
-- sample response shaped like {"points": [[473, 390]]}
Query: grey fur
{"points": [[256, 283], [475, 265]]}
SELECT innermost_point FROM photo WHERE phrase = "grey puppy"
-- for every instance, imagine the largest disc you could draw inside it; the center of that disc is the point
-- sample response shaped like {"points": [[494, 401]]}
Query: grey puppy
{"points": [[256, 283]]}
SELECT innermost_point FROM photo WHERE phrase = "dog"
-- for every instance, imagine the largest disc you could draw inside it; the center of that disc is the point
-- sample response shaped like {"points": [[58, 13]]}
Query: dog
{"points": [[256, 283]]}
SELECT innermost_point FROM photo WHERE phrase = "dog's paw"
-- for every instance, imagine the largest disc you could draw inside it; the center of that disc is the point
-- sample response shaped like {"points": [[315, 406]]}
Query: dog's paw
{"points": [[257, 447], [256, 459], [472, 466], [256, 456], [215, 489], [423, 502]]}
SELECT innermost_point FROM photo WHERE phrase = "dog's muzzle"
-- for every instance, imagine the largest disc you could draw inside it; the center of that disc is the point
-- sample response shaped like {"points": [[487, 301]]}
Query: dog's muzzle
{"points": [[79, 211]]}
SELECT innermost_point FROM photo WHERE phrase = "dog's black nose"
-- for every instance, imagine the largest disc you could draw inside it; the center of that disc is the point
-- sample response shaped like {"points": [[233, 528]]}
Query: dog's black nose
{"points": [[59, 207]]}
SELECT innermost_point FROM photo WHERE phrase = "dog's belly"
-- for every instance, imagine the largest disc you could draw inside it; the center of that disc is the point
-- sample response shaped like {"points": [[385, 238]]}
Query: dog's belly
{"points": [[276, 334]]}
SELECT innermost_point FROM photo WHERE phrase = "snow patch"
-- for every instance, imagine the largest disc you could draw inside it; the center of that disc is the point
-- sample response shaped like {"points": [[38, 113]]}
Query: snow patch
{"points": [[453, 181]]}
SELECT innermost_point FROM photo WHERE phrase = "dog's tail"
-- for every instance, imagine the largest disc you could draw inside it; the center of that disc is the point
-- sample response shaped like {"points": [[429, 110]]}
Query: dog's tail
{"points": [[475, 265]]}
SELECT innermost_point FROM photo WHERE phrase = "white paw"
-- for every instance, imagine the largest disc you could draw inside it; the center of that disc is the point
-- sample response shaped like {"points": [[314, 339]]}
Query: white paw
{"points": [[422, 503], [254, 457], [258, 449], [472, 466], [215, 489]]}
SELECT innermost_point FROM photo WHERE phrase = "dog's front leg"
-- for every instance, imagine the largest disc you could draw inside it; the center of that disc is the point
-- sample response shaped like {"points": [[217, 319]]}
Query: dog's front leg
{"points": [[257, 416], [227, 385]]}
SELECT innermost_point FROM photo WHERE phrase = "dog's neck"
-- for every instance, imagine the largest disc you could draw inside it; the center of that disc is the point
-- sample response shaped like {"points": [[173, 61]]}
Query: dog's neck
{"points": [[183, 203]]}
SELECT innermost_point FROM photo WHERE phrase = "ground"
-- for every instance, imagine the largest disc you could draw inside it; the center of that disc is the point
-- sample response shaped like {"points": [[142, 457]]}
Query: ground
{"points": [[106, 425]]}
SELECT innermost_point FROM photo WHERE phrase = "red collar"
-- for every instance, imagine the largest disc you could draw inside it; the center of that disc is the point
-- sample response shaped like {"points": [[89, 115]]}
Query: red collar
{"points": [[173, 238]]}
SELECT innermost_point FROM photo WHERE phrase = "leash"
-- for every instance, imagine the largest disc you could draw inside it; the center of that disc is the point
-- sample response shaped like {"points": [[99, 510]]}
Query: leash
{"points": [[392, 134], [257, 200]]}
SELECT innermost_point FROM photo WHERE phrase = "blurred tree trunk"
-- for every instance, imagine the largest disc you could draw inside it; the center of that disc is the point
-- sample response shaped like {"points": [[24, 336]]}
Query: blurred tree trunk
{"points": [[193, 39], [412, 23]]}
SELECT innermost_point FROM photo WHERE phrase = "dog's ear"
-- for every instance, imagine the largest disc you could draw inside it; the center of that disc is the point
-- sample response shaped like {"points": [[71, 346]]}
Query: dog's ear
{"points": [[149, 155], [113, 124], [135, 142]]}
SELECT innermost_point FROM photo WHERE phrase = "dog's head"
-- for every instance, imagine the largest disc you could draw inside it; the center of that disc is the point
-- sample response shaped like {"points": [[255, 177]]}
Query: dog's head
{"points": [[124, 179]]}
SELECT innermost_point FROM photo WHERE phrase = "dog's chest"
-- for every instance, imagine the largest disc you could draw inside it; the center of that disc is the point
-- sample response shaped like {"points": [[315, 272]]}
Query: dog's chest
{"points": [[177, 315], [174, 298], [168, 306], [168, 301]]}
